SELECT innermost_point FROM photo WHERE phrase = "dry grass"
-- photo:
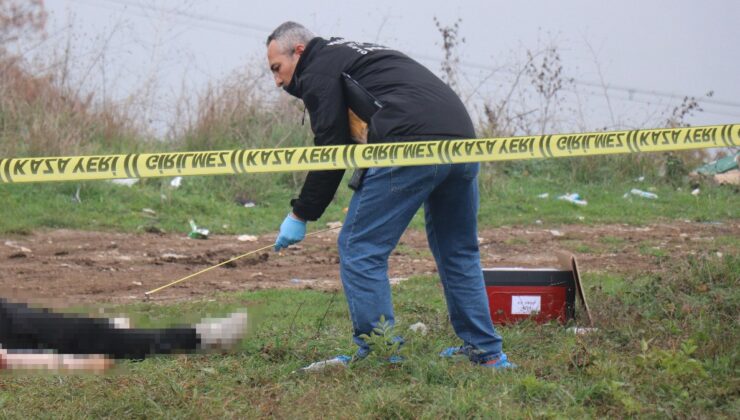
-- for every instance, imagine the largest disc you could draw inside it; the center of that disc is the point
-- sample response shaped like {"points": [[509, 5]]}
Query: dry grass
{"points": [[240, 112], [40, 117], [42, 113]]}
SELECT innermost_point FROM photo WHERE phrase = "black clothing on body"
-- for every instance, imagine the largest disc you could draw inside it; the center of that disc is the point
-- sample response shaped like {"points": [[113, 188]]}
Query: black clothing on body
{"points": [[26, 328]]}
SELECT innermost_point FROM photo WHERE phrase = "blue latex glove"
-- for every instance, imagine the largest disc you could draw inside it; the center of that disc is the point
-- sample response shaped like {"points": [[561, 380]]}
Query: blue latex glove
{"points": [[291, 231]]}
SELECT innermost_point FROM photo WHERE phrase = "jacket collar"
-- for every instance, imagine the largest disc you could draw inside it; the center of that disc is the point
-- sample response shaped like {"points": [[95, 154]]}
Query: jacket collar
{"points": [[294, 87]]}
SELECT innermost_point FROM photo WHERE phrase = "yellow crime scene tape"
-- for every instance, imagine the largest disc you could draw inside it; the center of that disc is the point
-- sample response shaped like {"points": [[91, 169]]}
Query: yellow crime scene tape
{"points": [[241, 161]]}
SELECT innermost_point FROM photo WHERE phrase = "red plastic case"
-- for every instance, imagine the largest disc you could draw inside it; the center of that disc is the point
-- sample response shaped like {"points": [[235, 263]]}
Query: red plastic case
{"points": [[543, 294]]}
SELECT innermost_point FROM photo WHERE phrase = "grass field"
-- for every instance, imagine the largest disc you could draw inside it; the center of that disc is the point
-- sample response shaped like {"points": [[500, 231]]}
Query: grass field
{"points": [[666, 347], [212, 202], [667, 344]]}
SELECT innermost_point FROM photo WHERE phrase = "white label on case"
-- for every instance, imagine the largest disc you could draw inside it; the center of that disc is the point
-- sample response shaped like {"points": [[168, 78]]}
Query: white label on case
{"points": [[525, 305]]}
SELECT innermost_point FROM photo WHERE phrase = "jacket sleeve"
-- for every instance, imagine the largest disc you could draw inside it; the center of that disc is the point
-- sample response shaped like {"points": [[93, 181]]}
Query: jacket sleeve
{"points": [[324, 100]]}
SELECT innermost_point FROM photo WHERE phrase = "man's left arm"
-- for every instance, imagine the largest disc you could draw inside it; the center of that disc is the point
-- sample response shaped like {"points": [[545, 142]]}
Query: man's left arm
{"points": [[324, 100]]}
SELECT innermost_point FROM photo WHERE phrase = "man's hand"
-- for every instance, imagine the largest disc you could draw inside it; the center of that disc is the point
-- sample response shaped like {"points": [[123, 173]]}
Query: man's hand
{"points": [[292, 230]]}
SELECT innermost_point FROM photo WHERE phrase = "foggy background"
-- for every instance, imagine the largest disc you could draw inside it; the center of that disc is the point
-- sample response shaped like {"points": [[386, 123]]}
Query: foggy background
{"points": [[622, 64]]}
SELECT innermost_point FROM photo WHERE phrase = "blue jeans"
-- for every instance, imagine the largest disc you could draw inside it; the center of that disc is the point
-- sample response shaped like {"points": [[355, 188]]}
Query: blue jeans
{"points": [[379, 213]]}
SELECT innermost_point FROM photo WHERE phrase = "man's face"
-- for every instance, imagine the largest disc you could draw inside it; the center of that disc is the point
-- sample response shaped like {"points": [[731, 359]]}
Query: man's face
{"points": [[283, 64]]}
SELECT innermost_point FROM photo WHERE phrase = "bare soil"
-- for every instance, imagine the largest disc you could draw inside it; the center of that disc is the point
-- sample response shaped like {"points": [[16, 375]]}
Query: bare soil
{"points": [[67, 267]]}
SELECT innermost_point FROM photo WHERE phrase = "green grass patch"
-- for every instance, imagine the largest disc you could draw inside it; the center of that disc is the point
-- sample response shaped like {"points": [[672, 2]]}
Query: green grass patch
{"points": [[212, 203], [514, 200], [583, 248], [728, 241], [611, 240], [666, 346], [403, 249], [516, 241], [650, 249]]}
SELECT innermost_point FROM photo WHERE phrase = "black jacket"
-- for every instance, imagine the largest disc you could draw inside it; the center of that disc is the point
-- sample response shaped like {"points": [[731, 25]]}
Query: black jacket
{"points": [[417, 105]]}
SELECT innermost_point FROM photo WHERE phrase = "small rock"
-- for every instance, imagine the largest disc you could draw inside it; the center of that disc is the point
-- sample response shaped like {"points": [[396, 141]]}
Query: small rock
{"points": [[419, 327], [334, 225], [695, 192], [149, 211], [154, 229], [137, 283], [556, 233], [173, 257], [245, 202], [17, 246], [247, 238], [396, 280]]}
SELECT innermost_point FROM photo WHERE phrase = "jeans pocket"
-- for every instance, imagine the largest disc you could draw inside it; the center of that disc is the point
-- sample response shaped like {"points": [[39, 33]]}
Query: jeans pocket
{"points": [[405, 179]]}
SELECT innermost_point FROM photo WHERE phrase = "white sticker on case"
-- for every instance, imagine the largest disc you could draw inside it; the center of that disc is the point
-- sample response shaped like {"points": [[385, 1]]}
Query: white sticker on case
{"points": [[525, 305]]}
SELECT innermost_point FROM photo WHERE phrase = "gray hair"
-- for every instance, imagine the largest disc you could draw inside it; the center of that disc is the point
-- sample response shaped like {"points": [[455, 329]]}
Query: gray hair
{"points": [[288, 34]]}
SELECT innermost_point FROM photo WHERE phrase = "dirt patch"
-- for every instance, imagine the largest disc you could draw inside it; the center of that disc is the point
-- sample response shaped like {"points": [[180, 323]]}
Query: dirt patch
{"points": [[65, 267]]}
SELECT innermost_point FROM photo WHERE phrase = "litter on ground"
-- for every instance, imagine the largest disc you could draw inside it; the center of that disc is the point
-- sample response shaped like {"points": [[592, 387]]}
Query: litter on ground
{"points": [[574, 198], [126, 182], [176, 182], [196, 232], [643, 194]]}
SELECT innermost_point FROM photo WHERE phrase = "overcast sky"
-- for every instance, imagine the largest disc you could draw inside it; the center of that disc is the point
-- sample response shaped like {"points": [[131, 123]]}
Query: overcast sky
{"points": [[648, 53]]}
